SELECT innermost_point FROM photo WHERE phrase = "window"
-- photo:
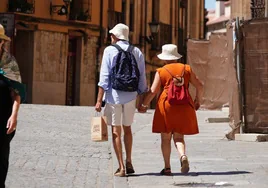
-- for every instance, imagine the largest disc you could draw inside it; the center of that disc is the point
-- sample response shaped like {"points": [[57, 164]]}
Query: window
{"points": [[258, 8], [81, 10], [124, 10], [24, 6], [132, 15], [114, 18], [162, 37]]}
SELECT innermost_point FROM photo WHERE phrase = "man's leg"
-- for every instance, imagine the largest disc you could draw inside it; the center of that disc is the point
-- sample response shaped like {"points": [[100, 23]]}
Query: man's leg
{"points": [[128, 139], [116, 132], [128, 116], [113, 112]]}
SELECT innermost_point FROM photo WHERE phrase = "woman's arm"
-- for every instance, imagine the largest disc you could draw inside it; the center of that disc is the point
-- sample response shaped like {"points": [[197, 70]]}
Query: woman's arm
{"points": [[199, 89], [12, 121], [151, 93]]}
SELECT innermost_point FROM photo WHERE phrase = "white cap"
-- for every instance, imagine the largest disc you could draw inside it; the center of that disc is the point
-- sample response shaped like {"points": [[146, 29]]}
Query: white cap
{"points": [[169, 52], [121, 31]]}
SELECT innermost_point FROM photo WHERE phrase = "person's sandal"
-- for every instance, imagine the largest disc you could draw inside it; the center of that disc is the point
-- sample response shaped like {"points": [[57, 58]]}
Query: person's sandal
{"points": [[184, 164], [120, 173], [166, 172], [129, 168]]}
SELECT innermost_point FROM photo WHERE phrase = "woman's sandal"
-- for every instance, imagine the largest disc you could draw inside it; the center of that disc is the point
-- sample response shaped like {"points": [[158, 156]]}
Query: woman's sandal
{"points": [[184, 164], [120, 173], [166, 172]]}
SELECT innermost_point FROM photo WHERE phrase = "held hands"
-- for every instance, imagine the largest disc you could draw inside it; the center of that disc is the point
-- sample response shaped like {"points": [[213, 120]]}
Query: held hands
{"points": [[142, 108]]}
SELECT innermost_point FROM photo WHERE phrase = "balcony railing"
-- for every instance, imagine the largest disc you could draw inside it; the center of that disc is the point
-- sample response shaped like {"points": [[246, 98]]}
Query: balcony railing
{"points": [[23, 6]]}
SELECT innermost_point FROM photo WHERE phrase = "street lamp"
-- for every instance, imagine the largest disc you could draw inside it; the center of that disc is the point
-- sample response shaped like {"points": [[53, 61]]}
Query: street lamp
{"points": [[60, 9], [154, 27]]}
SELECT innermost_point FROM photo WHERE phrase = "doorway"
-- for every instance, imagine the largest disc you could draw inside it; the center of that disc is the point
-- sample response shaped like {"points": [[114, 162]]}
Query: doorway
{"points": [[73, 73], [23, 51]]}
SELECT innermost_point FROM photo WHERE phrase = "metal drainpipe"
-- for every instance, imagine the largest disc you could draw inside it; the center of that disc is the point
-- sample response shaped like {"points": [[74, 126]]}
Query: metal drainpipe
{"points": [[238, 65], [98, 51]]}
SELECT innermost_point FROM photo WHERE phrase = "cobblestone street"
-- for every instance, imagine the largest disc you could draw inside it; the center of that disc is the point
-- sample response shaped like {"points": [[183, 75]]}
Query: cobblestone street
{"points": [[52, 149]]}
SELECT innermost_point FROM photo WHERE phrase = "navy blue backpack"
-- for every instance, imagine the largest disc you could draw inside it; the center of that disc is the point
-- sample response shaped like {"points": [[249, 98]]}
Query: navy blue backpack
{"points": [[125, 73]]}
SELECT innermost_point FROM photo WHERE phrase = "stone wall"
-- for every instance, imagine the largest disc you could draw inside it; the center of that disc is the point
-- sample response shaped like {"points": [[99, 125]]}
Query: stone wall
{"points": [[241, 8], [50, 58], [88, 72]]}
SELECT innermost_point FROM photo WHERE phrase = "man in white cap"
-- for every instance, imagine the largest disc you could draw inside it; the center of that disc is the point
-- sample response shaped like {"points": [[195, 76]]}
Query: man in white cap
{"points": [[120, 105]]}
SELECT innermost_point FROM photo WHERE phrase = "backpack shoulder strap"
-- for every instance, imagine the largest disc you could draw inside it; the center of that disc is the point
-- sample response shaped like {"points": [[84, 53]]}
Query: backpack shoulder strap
{"points": [[168, 72], [130, 48], [182, 74], [117, 47]]}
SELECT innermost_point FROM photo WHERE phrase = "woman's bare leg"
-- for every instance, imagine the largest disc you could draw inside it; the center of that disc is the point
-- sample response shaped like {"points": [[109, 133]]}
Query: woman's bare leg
{"points": [[166, 148]]}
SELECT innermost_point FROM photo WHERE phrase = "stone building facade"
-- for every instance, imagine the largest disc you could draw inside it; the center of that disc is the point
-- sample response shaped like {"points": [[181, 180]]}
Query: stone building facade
{"points": [[59, 43]]}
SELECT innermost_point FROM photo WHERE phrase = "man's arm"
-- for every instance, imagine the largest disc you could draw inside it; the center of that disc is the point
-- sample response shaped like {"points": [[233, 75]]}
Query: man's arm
{"points": [[104, 79], [99, 99], [142, 81]]}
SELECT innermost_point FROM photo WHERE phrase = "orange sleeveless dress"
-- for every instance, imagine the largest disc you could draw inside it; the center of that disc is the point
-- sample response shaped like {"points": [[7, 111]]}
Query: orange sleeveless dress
{"points": [[174, 118]]}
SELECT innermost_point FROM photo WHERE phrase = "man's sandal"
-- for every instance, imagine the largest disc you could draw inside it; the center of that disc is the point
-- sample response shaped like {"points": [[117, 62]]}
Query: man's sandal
{"points": [[184, 164], [120, 173], [129, 168], [166, 172]]}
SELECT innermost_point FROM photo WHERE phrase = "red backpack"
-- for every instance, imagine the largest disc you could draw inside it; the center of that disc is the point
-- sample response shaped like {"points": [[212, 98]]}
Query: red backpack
{"points": [[178, 93]]}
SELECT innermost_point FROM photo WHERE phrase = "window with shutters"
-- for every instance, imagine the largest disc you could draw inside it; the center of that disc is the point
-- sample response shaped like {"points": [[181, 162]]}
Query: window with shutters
{"points": [[114, 18], [162, 37], [81, 10], [124, 11], [132, 15], [24, 6]]}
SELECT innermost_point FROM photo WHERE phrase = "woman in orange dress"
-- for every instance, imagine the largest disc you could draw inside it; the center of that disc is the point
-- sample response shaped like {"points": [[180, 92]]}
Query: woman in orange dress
{"points": [[173, 120]]}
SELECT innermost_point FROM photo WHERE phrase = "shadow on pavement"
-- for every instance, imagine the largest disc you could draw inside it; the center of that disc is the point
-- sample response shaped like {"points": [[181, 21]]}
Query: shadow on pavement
{"points": [[193, 184], [195, 173]]}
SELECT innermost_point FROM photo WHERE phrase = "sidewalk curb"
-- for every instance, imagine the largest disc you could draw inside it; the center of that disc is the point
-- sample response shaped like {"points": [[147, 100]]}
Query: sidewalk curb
{"points": [[251, 137], [218, 120]]}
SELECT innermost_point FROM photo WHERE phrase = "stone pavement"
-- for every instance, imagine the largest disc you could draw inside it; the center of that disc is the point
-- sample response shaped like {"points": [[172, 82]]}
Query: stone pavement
{"points": [[214, 161], [52, 148]]}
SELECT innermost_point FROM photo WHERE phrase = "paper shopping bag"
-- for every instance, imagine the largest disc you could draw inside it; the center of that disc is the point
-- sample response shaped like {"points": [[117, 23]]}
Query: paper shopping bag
{"points": [[99, 132]]}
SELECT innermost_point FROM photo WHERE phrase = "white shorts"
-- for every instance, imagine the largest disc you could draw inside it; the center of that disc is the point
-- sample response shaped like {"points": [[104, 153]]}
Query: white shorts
{"points": [[120, 114]]}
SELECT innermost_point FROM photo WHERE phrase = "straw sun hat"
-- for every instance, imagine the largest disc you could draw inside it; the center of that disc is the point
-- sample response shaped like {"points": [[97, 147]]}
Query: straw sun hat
{"points": [[2, 34], [169, 52]]}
